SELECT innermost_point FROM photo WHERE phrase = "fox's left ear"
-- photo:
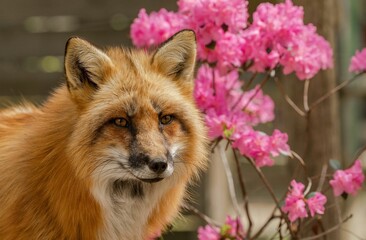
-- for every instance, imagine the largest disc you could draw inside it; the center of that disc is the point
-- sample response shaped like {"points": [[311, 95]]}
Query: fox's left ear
{"points": [[177, 56]]}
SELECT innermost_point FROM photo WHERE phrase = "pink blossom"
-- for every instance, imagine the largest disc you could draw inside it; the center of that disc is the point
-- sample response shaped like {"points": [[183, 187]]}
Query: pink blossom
{"points": [[235, 229], [280, 38], [208, 233], [316, 204], [348, 181], [148, 30], [295, 202], [255, 145], [358, 62], [307, 55], [279, 144], [218, 25], [257, 107], [260, 146], [232, 13]]}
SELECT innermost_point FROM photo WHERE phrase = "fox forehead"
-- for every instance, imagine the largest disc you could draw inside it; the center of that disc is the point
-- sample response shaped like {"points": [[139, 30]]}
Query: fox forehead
{"points": [[135, 85]]}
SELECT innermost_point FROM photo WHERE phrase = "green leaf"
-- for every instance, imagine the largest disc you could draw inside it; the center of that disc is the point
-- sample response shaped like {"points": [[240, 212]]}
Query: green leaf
{"points": [[224, 229], [310, 195], [335, 164], [228, 132]]}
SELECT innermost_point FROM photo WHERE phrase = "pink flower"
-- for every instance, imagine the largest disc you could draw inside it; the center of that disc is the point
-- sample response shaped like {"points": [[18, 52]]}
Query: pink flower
{"points": [[235, 229], [316, 204], [279, 37], [218, 25], [232, 229], [348, 181], [232, 13], [148, 30], [208, 233], [257, 107], [295, 202], [255, 145], [358, 62], [279, 144]]}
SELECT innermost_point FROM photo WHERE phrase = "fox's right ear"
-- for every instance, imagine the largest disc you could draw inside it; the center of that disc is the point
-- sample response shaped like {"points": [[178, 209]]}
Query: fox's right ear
{"points": [[86, 67]]}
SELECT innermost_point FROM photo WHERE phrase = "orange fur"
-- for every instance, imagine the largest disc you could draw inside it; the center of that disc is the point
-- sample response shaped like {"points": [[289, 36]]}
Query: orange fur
{"points": [[67, 171]]}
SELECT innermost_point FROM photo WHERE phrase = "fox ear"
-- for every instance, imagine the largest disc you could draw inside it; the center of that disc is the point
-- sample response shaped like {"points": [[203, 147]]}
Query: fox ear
{"points": [[86, 67], [177, 56]]}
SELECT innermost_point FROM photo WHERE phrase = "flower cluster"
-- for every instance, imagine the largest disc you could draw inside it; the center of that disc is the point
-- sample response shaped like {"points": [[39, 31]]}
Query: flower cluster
{"points": [[232, 114], [296, 202], [348, 181], [153, 29], [277, 36], [358, 62], [232, 229]]}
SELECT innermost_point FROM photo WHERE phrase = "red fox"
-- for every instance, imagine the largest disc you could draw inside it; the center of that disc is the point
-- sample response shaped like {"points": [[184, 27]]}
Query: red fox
{"points": [[110, 153]]}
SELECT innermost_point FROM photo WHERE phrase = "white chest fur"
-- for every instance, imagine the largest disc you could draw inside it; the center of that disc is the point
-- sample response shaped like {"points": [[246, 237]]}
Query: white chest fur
{"points": [[126, 207]]}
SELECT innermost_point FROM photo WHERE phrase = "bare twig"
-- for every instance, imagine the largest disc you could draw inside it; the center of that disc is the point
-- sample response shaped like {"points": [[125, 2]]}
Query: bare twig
{"points": [[245, 88], [230, 181], [256, 92], [306, 95], [204, 217], [288, 99], [353, 234], [329, 230], [359, 153], [272, 217], [215, 143], [334, 90], [247, 85], [297, 157], [244, 193], [270, 190], [323, 175]]}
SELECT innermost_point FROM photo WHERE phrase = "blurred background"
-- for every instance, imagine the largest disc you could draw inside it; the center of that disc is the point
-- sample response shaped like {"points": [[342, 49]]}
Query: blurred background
{"points": [[33, 34]]}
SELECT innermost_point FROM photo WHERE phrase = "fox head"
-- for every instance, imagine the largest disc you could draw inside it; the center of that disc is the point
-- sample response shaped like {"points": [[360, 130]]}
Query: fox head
{"points": [[136, 117]]}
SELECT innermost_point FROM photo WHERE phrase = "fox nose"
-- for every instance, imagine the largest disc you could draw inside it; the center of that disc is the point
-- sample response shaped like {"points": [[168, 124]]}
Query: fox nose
{"points": [[158, 166]]}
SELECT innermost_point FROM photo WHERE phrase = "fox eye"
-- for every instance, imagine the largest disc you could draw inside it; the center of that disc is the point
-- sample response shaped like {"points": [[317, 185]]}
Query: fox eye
{"points": [[120, 122], [166, 119]]}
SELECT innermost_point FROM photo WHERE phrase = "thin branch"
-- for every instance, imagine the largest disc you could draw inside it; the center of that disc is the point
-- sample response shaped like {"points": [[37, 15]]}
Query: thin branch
{"points": [[204, 217], [215, 143], [288, 99], [272, 217], [359, 153], [247, 85], [256, 92], [334, 90], [244, 193], [230, 181], [329, 230], [245, 88], [297, 157], [271, 192], [353, 234], [306, 95], [323, 175]]}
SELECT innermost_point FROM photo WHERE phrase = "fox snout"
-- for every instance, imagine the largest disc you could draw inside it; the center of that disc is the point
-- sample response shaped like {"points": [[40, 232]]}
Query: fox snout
{"points": [[151, 169]]}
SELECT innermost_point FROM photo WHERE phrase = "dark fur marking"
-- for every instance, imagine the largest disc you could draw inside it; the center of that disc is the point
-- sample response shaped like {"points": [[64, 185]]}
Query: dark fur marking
{"points": [[138, 160], [85, 75], [130, 188]]}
